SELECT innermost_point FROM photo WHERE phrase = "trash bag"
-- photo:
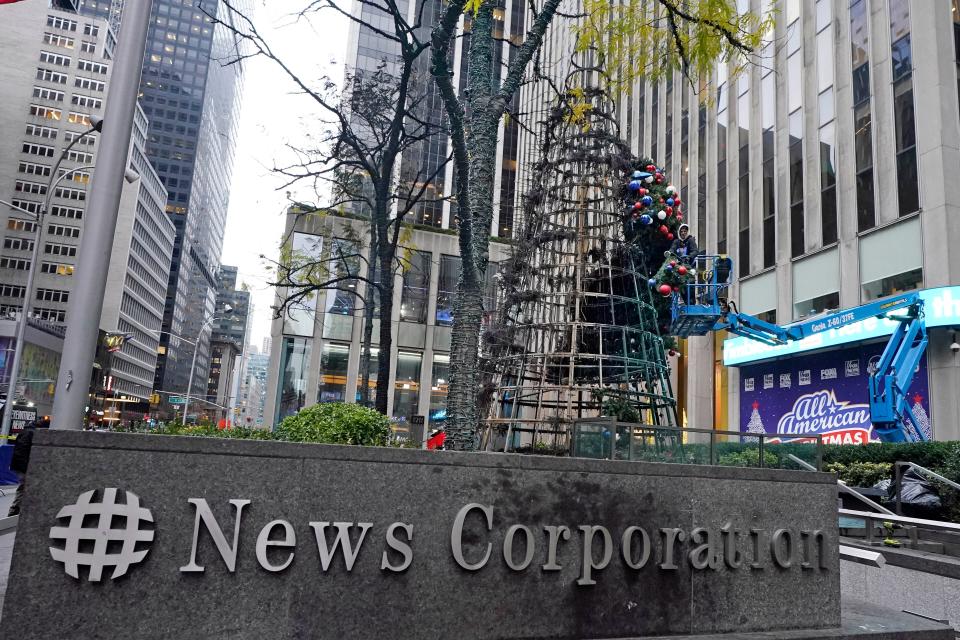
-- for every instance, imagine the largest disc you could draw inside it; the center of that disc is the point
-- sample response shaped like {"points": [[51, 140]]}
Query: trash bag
{"points": [[918, 498], [884, 486]]}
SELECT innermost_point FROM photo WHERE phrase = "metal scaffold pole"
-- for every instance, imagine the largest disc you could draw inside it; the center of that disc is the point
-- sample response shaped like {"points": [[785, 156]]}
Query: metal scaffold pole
{"points": [[86, 301]]}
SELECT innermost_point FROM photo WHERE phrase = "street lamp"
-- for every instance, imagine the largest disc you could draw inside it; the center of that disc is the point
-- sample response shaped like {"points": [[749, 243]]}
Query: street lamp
{"points": [[55, 179], [193, 363]]}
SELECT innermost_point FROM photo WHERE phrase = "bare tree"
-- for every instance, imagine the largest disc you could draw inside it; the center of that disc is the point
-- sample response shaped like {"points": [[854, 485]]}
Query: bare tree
{"points": [[371, 124]]}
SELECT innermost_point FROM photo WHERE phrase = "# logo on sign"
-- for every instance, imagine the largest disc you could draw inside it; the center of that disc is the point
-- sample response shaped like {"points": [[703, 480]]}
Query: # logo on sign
{"points": [[102, 534]]}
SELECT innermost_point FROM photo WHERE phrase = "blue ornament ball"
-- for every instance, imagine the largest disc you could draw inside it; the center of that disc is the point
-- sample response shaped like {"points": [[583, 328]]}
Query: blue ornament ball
{"points": [[646, 200], [669, 202], [652, 282], [634, 185], [645, 219], [669, 268]]}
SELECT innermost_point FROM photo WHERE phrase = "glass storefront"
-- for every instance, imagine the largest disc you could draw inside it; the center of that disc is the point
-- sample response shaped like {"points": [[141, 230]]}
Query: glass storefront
{"points": [[333, 373], [294, 363], [406, 392]]}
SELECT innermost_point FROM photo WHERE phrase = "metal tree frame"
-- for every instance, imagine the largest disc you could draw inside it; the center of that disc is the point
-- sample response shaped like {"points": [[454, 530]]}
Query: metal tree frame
{"points": [[577, 326]]}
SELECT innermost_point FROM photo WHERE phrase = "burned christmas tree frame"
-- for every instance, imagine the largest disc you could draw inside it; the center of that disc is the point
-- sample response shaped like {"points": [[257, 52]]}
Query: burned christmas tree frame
{"points": [[578, 334]]}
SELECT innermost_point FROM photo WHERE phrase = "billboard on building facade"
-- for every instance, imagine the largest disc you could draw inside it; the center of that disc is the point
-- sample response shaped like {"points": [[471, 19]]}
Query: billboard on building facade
{"points": [[821, 394]]}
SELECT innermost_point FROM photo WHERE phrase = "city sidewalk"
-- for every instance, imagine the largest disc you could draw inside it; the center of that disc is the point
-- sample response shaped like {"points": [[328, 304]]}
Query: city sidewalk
{"points": [[6, 541]]}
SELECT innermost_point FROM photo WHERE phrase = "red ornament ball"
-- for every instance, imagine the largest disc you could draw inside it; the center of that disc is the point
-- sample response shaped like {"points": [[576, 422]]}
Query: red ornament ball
{"points": [[669, 236], [659, 178], [637, 205], [682, 270], [664, 229], [650, 167], [643, 191], [676, 199], [679, 216], [672, 353], [676, 287], [669, 210], [673, 263], [665, 289]]}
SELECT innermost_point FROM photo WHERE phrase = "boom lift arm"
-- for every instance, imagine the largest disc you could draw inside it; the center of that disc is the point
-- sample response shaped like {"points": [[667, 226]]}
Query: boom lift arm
{"points": [[702, 306]]}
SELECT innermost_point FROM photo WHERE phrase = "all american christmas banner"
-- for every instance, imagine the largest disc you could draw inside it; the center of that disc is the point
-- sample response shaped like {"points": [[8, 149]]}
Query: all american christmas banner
{"points": [[820, 394]]}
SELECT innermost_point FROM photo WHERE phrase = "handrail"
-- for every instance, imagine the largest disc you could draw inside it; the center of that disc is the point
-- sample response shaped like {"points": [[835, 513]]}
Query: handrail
{"points": [[843, 487], [898, 477], [905, 520]]}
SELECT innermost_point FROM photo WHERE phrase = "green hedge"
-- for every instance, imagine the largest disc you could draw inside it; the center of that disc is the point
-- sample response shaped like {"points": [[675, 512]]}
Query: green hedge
{"points": [[931, 455], [328, 423]]}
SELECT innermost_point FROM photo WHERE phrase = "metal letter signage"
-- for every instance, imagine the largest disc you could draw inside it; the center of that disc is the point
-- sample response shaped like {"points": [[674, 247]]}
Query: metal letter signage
{"points": [[127, 523]]}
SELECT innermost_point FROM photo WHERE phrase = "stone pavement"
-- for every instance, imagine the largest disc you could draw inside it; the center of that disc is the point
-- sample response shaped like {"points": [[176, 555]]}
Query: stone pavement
{"points": [[6, 541]]}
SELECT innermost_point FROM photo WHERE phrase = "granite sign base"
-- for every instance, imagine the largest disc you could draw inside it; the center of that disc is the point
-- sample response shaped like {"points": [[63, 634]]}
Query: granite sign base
{"points": [[136, 536]]}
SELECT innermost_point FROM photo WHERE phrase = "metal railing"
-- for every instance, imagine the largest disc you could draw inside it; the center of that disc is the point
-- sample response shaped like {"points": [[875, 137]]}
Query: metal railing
{"points": [[910, 524], [610, 439], [898, 468], [843, 487]]}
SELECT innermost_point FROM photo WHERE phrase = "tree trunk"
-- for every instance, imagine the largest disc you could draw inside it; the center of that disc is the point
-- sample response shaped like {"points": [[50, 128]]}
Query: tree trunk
{"points": [[485, 111], [384, 358], [368, 307]]}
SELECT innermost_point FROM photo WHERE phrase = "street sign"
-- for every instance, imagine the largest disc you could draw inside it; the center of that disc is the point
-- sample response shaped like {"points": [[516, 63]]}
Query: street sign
{"points": [[176, 400]]}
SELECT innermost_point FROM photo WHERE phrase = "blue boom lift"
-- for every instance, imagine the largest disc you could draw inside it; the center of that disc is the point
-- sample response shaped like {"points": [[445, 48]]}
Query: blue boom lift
{"points": [[702, 306]]}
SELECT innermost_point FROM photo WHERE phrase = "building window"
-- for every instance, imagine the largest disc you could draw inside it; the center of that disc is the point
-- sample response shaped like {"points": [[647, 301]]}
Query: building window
{"points": [[333, 373], [701, 228], [797, 222], [891, 260], [294, 363], [439, 385], [908, 187], [816, 283], [57, 40], [813, 306], [406, 388], [743, 182], [54, 58], [447, 289], [374, 368], [722, 122], [416, 287], [891, 285], [862, 116], [48, 75], [654, 120]]}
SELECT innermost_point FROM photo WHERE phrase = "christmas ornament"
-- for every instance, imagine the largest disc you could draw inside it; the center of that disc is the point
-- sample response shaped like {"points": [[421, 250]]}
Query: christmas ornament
{"points": [[645, 219], [669, 210], [649, 179], [634, 185], [671, 189], [665, 290], [646, 200], [669, 236], [671, 201], [663, 229], [662, 215], [652, 282], [682, 270]]}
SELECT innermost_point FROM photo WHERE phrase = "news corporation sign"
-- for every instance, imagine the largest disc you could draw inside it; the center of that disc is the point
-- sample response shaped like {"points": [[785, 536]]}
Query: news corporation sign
{"points": [[106, 532]]}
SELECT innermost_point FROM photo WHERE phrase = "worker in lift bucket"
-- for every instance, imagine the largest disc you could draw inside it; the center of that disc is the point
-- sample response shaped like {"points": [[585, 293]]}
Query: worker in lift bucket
{"points": [[685, 245]]}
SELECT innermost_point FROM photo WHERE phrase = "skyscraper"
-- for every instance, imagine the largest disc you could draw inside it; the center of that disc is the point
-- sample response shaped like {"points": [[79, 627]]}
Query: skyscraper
{"points": [[56, 76], [190, 92], [227, 340]]}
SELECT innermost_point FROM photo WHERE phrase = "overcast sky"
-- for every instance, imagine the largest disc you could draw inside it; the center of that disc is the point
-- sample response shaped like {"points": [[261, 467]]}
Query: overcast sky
{"points": [[273, 115]]}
